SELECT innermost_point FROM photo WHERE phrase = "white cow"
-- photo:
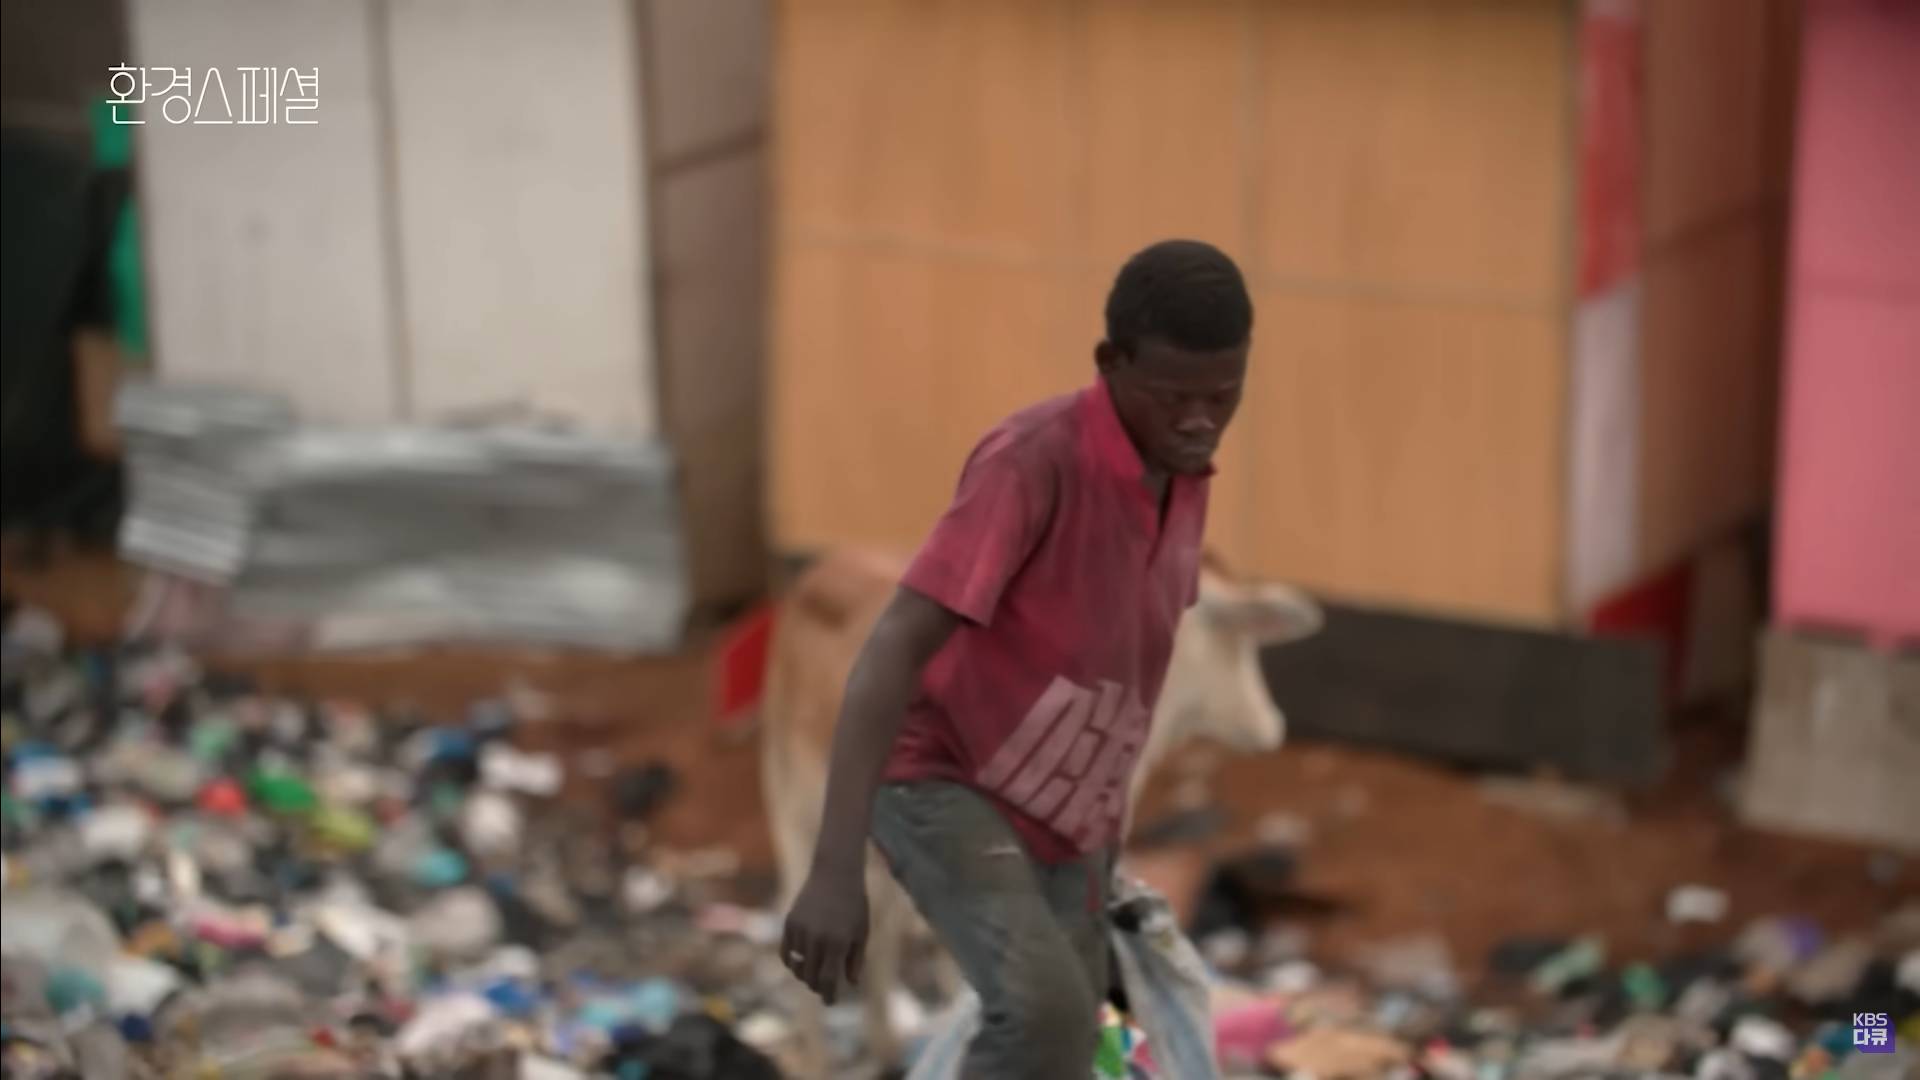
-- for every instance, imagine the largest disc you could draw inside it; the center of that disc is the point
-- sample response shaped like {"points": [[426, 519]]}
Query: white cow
{"points": [[1214, 690]]}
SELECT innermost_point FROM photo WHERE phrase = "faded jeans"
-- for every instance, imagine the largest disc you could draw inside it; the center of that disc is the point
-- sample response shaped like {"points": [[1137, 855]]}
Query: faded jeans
{"points": [[1031, 939]]}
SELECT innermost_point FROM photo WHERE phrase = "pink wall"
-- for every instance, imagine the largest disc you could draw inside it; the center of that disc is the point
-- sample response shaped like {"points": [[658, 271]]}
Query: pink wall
{"points": [[1849, 544]]}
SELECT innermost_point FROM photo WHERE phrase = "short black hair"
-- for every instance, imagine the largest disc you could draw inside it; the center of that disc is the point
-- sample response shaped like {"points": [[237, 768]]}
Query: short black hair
{"points": [[1187, 293]]}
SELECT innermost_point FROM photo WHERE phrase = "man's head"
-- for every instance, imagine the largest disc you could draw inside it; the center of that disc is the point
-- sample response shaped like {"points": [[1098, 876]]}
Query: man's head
{"points": [[1179, 323]]}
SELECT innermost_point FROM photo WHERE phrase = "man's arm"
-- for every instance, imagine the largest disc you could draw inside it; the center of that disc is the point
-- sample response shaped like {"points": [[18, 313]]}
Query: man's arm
{"points": [[826, 931], [910, 631]]}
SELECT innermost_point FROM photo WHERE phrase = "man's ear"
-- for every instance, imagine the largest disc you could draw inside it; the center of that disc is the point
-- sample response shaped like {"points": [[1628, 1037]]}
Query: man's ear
{"points": [[1107, 357]]}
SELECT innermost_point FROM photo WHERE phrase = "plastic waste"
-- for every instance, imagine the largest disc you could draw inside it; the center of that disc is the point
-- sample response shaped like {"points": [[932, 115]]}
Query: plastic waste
{"points": [[231, 929], [1521, 955], [342, 828], [360, 930], [458, 924], [313, 963], [33, 634], [222, 797], [1245, 1035], [1724, 1064], [490, 718], [57, 928], [212, 738], [637, 793], [696, 1047], [438, 746], [116, 831], [1696, 904], [1580, 960], [443, 1021], [1340, 1054], [766, 1032], [490, 825], [1907, 974], [1778, 944], [39, 778], [508, 769], [401, 844], [344, 784], [1757, 1036], [253, 871], [100, 1052], [644, 891], [439, 868], [1420, 963], [537, 1067], [1644, 987], [282, 793], [71, 989], [651, 1004], [1832, 973], [169, 775], [1294, 977], [138, 986]]}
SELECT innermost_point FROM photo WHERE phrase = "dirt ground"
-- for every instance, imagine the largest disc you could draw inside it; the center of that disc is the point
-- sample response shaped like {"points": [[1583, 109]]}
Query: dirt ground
{"points": [[1402, 847]]}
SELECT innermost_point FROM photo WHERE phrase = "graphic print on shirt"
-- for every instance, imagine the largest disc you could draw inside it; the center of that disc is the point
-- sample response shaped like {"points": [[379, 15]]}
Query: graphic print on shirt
{"points": [[1068, 762]]}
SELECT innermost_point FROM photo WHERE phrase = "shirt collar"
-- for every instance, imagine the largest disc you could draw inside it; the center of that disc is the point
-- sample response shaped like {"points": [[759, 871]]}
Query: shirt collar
{"points": [[1107, 437]]}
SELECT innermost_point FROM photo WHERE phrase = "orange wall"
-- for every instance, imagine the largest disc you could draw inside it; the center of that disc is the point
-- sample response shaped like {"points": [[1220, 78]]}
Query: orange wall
{"points": [[1718, 139], [956, 183]]}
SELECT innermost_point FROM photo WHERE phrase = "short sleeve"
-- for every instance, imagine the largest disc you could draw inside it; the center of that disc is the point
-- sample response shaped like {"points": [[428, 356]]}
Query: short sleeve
{"points": [[1002, 507]]}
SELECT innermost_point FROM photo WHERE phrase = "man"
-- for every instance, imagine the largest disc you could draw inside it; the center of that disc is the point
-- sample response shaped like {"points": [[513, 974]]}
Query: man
{"points": [[992, 719]]}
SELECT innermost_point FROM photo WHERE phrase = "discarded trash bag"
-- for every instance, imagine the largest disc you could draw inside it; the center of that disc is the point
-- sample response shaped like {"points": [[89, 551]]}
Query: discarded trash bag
{"points": [[1168, 988], [1166, 985]]}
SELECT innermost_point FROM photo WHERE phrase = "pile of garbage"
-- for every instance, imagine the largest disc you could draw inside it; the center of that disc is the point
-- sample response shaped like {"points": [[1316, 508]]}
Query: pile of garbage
{"points": [[205, 880], [1781, 999], [1781, 1003], [202, 880]]}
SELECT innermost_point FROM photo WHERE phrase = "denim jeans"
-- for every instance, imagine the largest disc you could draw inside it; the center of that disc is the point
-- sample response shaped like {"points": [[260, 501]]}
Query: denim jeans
{"points": [[1031, 939]]}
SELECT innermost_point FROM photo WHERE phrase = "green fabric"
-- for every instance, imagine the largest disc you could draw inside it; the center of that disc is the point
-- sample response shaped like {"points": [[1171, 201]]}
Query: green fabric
{"points": [[112, 143], [1110, 1062], [113, 149]]}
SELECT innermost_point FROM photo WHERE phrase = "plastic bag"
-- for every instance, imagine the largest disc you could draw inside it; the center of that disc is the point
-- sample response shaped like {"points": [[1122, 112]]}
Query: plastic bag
{"points": [[1167, 992]]}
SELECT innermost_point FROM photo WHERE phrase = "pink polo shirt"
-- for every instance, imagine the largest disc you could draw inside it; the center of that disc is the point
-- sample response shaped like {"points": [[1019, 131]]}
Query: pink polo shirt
{"points": [[1070, 586]]}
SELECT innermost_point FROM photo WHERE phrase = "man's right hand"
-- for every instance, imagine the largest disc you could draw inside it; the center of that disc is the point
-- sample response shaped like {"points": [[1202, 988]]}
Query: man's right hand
{"points": [[826, 935], [825, 940]]}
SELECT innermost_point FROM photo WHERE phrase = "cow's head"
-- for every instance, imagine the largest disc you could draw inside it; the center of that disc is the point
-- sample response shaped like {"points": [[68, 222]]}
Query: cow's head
{"points": [[1214, 687]]}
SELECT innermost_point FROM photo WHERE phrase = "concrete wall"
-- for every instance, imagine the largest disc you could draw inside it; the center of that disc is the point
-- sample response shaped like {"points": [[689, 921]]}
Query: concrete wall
{"points": [[465, 226], [706, 67], [520, 204], [270, 261]]}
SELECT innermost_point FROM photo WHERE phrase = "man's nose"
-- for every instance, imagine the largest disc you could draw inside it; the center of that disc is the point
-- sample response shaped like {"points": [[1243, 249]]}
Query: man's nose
{"points": [[1195, 421]]}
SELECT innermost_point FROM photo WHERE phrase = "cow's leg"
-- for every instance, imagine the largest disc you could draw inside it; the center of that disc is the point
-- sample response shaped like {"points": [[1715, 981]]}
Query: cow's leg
{"points": [[946, 974], [813, 1056], [793, 850], [886, 935]]}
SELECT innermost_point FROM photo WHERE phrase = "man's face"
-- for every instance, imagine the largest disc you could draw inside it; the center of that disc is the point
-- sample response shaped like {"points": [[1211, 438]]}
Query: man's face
{"points": [[1174, 402]]}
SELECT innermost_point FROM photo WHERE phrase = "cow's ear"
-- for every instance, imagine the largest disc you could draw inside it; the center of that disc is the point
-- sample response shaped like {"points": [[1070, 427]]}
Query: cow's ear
{"points": [[1270, 614]]}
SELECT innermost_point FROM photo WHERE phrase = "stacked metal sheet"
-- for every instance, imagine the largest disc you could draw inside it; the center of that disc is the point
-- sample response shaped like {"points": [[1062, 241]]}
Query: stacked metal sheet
{"points": [[189, 452], [407, 535]]}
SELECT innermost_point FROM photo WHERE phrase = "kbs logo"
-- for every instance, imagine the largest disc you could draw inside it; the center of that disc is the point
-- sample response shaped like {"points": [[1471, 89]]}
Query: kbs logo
{"points": [[1873, 1033], [1068, 762]]}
